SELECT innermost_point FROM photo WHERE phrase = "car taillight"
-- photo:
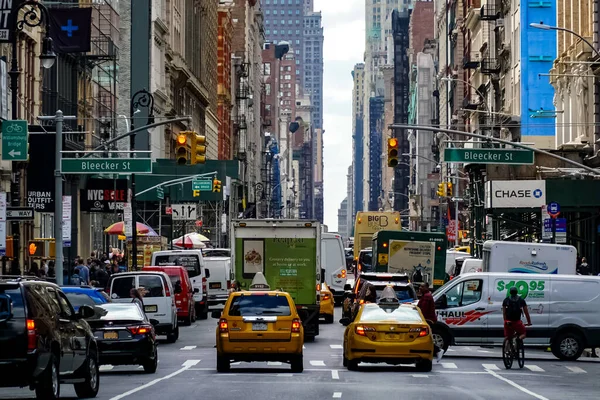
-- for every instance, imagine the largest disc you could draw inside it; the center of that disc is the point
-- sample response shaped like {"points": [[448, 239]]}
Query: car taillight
{"points": [[204, 285], [31, 335], [318, 287], [296, 324], [325, 296], [139, 330], [223, 326], [228, 285], [362, 330], [422, 331], [359, 267], [167, 291]]}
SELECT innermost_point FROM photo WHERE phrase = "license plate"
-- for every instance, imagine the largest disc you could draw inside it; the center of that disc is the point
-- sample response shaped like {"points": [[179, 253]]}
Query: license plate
{"points": [[151, 309], [111, 335], [392, 336], [259, 326], [215, 285]]}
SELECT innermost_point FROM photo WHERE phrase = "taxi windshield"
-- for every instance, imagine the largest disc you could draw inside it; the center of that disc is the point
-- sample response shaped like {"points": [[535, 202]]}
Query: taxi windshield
{"points": [[254, 305], [375, 313]]}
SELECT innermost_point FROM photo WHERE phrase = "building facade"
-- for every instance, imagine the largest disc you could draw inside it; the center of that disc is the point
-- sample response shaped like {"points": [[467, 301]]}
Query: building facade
{"points": [[224, 78]]}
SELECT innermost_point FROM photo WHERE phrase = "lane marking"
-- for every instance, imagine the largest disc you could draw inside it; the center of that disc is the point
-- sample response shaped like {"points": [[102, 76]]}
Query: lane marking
{"points": [[517, 386], [337, 395], [274, 363], [450, 350], [336, 346], [449, 365], [534, 368], [577, 370], [483, 351], [186, 365], [492, 367], [335, 374], [106, 368], [317, 363], [236, 363], [420, 376], [286, 375], [188, 348]]}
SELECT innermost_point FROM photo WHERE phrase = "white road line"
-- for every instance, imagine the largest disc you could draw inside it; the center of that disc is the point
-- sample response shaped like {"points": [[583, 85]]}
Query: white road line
{"points": [[286, 375], [194, 326], [449, 365], [577, 370], [492, 367], [105, 368], [483, 351], [186, 365], [534, 368], [274, 363], [420, 376], [450, 350], [236, 363], [337, 395], [336, 346], [188, 348], [335, 374], [517, 386], [317, 363]]}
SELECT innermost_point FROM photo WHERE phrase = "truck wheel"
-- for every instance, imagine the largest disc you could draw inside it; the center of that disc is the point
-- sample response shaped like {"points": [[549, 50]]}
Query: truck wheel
{"points": [[567, 346], [48, 386], [223, 364], [441, 338], [89, 388]]}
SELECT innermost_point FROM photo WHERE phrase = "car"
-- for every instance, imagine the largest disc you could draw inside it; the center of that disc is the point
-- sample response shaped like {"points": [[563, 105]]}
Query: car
{"points": [[259, 324], [88, 295], [125, 335], [220, 282], [184, 300], [388, 332], [333, 264], [158, 298], [44, 343], [216, 252], [379, 280], [326, 304]]}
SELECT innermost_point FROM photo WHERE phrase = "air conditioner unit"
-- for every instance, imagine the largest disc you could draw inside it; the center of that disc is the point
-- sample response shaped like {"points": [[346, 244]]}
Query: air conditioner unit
{"points": [[500, 22], [455, 31]]}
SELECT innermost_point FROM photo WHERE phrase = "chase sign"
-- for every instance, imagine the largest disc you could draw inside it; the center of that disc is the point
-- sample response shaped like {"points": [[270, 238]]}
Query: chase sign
{"points": [[515, 194]]}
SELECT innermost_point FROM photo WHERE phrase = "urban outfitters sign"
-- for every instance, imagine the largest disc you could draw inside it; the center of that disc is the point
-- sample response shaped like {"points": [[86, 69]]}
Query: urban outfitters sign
{"points": [[515, 194]]}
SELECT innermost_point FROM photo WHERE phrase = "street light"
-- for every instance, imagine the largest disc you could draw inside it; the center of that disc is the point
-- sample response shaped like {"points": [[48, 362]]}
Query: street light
{"points": [[35, 16], [545, 27], [449, 79]]}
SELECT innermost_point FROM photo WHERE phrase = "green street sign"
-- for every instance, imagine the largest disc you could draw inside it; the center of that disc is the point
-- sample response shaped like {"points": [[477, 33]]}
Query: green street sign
{"points": [[202, 185], [488, 156], [160, 193], [104, 165], [15, 141]]}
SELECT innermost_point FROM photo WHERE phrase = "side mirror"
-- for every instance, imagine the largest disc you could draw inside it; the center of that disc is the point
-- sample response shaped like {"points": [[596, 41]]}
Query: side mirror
{"points": [[347, 286], [196, 290], [207, 273], [345, 321], [85, 311], [154, 322], [216, 314]]}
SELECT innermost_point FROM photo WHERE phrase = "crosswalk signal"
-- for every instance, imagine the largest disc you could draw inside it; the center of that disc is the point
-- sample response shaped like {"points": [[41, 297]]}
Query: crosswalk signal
{"points": [[198, 148], [216, 186], [181, 153], [392, 152], [441, 189], [449, 189]]}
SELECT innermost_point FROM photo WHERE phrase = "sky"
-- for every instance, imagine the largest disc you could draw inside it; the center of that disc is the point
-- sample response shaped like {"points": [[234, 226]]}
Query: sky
{"points": [[344, 26]]}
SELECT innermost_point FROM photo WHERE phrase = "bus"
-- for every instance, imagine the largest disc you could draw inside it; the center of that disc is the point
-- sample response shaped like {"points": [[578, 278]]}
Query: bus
{"points": [[369, 222], [420, 255]]}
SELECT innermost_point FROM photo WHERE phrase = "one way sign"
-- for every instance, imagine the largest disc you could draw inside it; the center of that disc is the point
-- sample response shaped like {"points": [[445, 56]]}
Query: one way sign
{"points": [[19, 214]]}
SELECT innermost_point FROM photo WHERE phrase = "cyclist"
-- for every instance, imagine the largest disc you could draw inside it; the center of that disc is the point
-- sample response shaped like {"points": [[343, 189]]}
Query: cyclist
{"points": [[512, 309]]}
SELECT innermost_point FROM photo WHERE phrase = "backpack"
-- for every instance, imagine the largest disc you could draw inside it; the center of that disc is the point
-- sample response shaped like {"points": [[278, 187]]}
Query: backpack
{"points": [[513, 309], [75, 280]]}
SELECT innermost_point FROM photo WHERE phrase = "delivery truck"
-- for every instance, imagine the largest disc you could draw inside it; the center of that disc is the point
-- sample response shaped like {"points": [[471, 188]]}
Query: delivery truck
{"points": [[288, 253], [529, 258]]}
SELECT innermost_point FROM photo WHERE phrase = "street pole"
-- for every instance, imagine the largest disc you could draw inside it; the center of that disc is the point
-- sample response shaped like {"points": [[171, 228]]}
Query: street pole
{"points": [[456, 207]]}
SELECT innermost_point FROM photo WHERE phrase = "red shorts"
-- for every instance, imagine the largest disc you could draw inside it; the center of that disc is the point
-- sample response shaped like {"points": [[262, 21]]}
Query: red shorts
{"points": [[514, 326]]}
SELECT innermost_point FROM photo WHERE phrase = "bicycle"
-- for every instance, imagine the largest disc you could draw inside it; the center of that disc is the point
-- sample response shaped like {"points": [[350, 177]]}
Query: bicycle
{"points": [[513, 348]]}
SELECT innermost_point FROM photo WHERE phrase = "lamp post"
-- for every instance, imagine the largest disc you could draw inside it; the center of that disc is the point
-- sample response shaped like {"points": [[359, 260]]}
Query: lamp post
{"points": [[542, 26], [141, 98], [34, 16]]}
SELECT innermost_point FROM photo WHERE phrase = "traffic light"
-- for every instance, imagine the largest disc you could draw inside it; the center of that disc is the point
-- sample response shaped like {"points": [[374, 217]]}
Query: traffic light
{"points": [[392, 152], [449, 189], [441, 189], [216, 186], [198, 148], [181, 153], [37, 248]]}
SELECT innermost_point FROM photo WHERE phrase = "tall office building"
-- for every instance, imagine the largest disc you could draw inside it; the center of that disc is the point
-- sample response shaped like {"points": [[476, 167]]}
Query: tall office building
{"points": [[358, 173]]}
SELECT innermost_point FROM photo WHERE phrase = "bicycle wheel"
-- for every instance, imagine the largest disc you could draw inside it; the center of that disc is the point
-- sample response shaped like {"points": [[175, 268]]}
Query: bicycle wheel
{"points": [[520, 353], [507, 354]]}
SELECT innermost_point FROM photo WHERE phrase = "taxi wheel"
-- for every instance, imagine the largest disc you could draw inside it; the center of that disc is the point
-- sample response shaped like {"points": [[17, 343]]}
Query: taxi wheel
{"points": [[424, 366], [297, 363], [345, 361], [352, 365], [328, 319], [223, 364]]}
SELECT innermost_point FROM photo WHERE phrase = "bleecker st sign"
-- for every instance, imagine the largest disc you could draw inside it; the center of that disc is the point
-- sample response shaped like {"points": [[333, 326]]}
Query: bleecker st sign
{"points": [[106, 165], [488, 156]]}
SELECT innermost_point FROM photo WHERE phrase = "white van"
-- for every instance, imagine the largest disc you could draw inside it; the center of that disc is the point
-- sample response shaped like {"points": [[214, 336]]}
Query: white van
{"points": [[158, 297], [333, 262], [193, 261], [220, 282], [531, 258], [471, 265], [451, 256], [563, 309]]}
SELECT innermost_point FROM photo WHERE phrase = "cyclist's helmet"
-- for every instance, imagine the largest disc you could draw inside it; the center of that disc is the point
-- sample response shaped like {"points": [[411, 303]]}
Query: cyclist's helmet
{"points": [[513, 291]]}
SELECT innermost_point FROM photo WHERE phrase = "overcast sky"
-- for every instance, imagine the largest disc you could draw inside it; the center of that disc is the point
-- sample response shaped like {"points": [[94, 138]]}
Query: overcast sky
{"points": [[344, 23]]}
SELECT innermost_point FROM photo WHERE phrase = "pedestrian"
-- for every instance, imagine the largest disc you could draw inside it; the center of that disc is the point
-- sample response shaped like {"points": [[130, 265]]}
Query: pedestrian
{"points": [[584, 267], [34, 270], [427, 306], [76, 278], [102, 277], [51, 269], [137, 297], [84, 272]]}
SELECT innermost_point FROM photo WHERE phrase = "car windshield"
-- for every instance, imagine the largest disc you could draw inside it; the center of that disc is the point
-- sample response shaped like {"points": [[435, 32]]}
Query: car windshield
{"points": [[376, 313], [404, 293], [216, 253], [254, 305], [190, 262], [11, 303], [80, 299], [118, 312]]}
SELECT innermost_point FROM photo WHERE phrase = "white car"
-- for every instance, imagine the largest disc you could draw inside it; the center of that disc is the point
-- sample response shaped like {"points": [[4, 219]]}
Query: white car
{"points": [[221, 280]]}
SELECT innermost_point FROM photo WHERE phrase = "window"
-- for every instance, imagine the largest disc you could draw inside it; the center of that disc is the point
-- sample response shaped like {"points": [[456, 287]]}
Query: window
{"points": [[464, 294], [152, 284], [283, 22], [297, 41], [80, 299], [297, 31], [121, 287], [268, 89], [267, 69], [275, 33], [11, 296], [290, 21], [274, 12], [268, 31], [65, 307], [244, 306]]}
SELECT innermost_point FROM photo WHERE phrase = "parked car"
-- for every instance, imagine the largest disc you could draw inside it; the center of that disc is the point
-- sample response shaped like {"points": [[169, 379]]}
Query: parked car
{"points": [[44, 342], [158, 296], [85, 295], [125, 336], [184, 300]]}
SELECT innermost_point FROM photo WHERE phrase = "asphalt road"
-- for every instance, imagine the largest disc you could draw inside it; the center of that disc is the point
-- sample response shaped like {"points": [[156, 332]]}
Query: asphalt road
{"points": [[187, 371]]}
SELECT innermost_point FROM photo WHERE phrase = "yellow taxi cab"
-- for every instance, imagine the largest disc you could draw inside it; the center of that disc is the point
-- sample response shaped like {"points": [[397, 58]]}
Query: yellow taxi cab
{"points": [[259, 325], [388, 332], [327, 304]]}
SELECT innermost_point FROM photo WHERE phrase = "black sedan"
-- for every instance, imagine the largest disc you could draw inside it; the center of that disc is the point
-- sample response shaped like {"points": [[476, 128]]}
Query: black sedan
{"points": [[125, 336]]}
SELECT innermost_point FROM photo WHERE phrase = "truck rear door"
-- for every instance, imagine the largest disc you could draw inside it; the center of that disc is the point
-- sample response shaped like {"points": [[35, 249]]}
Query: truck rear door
{"points": [[13, 333]]}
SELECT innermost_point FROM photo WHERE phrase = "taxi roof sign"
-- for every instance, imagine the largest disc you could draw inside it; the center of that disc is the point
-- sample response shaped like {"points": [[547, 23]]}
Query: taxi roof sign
{"points": [[259, 282], [388, 296]]}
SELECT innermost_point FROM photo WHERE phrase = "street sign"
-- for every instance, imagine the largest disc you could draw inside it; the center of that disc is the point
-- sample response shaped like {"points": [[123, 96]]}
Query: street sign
{"points": [[203, 185], [554, 209], [169, 210], [66, 225], [128, 218], [160, 193], [19, 213], [105, 165], [561, 230], [488, 156], [451, 230], [2, 224], [184, 212], [15, 138]]}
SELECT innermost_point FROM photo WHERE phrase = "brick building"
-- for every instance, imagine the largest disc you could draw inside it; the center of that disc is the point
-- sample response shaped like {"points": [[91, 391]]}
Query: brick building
{"points": [[224, 96]]}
